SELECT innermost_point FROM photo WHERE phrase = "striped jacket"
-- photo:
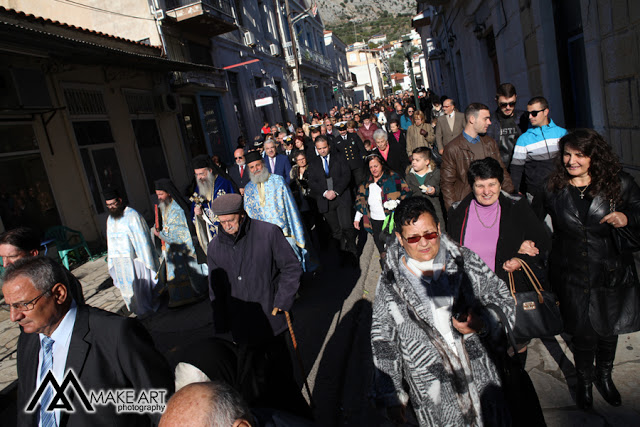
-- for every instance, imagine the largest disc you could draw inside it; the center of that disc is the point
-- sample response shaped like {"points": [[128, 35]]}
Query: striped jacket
{"points": [[533, 156]]}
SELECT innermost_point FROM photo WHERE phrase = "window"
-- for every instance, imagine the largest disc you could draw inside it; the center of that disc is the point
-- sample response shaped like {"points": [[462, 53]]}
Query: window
{"points": [[150, 149], [25, 195]]}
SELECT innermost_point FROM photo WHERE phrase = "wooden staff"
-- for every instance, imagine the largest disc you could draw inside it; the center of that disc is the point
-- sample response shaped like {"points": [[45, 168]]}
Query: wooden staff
{"points": [[295, 348]]}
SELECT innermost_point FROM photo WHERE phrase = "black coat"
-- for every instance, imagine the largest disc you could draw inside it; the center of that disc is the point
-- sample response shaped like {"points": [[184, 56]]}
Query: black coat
{"points": [[402, 140], [250, 275], [234, 173], [341, 176], [106, 352], [352, 149], [517, 224], [594, 282], [396, 159]]}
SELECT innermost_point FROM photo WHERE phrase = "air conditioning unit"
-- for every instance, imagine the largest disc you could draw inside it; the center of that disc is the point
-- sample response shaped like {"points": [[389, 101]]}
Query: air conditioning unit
{"points": [[275, 49], [169, 103], [249, 39]]}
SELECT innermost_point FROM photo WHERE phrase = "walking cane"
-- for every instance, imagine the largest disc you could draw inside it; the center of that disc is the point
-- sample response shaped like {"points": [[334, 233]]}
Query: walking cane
{"points": [[295, 347]]}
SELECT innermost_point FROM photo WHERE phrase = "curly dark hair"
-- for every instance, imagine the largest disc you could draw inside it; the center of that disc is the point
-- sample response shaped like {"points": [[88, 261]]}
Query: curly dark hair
{"points": [[604, 167]]}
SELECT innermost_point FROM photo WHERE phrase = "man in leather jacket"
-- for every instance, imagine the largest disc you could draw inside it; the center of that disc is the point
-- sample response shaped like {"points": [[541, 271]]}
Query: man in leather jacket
{"points": [[507, 123]]}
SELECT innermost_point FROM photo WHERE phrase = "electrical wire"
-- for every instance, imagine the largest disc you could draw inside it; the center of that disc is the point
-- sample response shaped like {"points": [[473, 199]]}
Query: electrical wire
{"points": [[97, 9]]}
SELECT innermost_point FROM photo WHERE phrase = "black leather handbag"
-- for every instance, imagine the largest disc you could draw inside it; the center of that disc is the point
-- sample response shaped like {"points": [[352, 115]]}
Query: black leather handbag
{"points": [[537, 311]]}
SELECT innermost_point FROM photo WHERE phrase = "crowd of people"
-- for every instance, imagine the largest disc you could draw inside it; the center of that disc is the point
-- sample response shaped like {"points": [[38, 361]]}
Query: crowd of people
{"points": [[455, 202]]}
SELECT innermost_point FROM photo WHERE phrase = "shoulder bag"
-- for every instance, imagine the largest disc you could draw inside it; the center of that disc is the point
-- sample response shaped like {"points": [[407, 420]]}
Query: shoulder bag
{"points": [[537, 311]]}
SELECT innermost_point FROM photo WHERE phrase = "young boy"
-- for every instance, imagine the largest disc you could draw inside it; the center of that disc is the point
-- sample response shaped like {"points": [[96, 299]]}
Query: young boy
{"points": [[424, 178]]}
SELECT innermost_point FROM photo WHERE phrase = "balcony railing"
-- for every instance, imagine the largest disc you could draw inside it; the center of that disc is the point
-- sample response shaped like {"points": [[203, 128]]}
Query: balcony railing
{"points": [[306, 55], [205, 17], [223, 6]]}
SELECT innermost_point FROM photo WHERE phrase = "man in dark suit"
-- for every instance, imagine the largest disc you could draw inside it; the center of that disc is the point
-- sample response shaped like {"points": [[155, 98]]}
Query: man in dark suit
{"points": [[104, 350], [352, 149], [329, 178], [238, 171], [277, 164], [395, 156]]}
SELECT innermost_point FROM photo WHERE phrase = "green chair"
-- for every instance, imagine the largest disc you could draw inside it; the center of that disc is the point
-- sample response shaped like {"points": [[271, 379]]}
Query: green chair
{"points": [[67, 241]]}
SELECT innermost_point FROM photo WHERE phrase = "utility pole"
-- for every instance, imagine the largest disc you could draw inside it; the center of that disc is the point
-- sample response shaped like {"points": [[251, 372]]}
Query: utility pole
{"points": [[294, 49]]}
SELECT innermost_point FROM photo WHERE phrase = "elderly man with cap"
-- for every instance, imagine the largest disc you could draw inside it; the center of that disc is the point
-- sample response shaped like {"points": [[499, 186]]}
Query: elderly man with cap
{"points": [[210, 186], [131, 256], [253, 277], [184, 259], [268, 198], [350, 146]]}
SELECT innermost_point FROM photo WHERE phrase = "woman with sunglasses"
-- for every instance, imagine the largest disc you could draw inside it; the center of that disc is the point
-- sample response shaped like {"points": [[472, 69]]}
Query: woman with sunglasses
{"points": [[593, 205], [381, 186], [499, 227], [431, 329]]}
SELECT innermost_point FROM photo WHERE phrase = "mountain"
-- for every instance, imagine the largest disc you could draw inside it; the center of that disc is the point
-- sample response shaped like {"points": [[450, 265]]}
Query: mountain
{"points": [[360, 19], [339, 11]]}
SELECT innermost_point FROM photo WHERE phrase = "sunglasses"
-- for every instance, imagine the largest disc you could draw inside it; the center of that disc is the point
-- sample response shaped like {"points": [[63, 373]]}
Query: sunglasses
{"points": [[534, 113], [507, 104], [415, 239]]}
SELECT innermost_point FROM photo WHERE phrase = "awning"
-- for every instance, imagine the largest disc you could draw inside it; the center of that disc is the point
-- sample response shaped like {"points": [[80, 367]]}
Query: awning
{"points": [[29, 40]]}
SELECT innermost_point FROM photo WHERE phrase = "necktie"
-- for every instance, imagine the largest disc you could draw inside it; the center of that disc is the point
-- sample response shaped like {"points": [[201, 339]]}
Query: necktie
{"points": [[47, 419], [273, 164], [241, 170], [326, 166]]}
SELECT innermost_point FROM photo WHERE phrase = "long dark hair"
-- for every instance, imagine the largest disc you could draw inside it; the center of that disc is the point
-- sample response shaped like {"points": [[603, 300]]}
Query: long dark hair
{"points": [[604, 167]]}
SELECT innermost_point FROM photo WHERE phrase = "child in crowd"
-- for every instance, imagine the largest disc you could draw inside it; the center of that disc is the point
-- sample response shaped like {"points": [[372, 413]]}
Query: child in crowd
{"points": [[424, 178]]}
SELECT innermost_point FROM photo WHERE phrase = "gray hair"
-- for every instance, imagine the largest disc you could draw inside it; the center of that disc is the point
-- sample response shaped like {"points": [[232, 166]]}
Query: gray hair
{"points": [[43, 272], [379, 134], [269, 141]]}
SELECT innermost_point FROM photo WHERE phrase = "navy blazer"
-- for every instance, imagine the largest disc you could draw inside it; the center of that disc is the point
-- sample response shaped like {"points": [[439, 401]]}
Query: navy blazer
{"points": [[283, 166], [106, 351], [234, 173]]}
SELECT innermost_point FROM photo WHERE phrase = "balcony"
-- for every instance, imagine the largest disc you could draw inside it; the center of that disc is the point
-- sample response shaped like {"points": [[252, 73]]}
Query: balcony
{"points": [[306, 57], [207, 17]]}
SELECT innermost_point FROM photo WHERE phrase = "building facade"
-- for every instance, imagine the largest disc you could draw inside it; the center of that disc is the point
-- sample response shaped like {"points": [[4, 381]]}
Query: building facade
{"points": [[81, 113]]}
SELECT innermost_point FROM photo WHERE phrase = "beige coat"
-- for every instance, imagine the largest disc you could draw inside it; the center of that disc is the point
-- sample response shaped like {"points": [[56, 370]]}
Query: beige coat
{"points": [[415, 139]]}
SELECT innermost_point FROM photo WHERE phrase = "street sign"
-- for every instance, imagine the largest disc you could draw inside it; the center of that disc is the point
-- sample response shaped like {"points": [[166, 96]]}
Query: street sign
{"points": [[264, 97]]}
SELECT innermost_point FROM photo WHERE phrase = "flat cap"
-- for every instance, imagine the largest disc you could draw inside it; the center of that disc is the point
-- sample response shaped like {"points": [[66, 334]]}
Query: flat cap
{"points": [[227, 204]]}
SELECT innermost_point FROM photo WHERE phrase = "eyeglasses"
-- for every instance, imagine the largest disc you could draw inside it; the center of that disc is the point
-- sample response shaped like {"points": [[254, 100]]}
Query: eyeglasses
{"points": [[112, 205], [24, 306], [409, 111], [240, 158], [507, 104], [534, 113], [415, 239]]}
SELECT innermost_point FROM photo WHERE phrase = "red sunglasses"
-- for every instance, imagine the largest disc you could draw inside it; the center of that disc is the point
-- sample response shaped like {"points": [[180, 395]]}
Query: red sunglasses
{"points": [[415, 239]]}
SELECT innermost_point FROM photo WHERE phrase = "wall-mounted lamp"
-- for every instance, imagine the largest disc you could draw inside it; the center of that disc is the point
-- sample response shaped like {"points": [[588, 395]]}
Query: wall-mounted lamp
{"points": [[452, 40], [479, 30]]}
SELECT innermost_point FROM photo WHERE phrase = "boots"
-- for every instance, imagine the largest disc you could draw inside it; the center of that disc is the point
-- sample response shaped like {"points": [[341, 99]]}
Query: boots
{"points": [[584, 375], [584, 388], [605, 355]]}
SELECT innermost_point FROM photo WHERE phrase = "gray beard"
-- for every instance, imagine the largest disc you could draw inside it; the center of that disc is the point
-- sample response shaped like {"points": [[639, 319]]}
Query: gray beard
{"points": [[206, 188], [163, 205], [260, 177]]}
